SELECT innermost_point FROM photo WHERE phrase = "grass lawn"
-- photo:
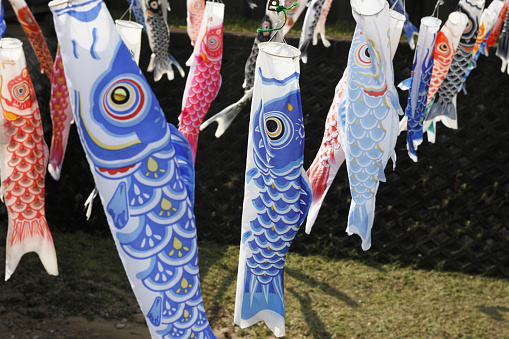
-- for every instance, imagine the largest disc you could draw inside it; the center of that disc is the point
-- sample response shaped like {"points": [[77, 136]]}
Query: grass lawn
{"points": [[324, 298]]}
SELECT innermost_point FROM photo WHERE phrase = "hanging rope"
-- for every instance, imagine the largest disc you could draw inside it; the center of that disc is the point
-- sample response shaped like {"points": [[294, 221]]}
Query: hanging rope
{"points": [[279, 9], [437, 6]]}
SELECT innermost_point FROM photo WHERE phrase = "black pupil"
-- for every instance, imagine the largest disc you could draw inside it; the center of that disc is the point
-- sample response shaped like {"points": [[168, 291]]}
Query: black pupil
{"points": [[366, 53], [120, 95], [272, 127]]}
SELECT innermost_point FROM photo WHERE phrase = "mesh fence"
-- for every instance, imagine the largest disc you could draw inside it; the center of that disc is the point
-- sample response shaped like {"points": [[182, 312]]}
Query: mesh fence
{"points": [[448, 211]]}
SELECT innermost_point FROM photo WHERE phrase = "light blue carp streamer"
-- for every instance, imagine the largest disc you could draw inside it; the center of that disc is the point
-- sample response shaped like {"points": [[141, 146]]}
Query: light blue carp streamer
{"points": [[2, 21], [369, 126], [408, 26], [143, 171], [137, 11]]}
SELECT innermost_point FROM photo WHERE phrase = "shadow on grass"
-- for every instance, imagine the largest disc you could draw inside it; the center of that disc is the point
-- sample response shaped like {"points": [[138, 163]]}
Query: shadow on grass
{"points": [[316, 326], [213, 311], [495, 312], [323, 286]]}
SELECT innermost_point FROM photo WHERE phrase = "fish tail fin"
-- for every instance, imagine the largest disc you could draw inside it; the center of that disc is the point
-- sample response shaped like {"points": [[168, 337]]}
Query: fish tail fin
{"points": [[56, 158], [262, 300], [304, 51], [185, 159], [318, 177], [411, 33], [162, 67], [227, 115], [360, 221], [30, 236], [445, 112]]}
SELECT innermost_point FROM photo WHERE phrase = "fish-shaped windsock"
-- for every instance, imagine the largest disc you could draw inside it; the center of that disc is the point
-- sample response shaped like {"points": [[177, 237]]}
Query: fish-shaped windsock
{"points": [[444, 106], [487, 18], [396, 27], [503, 45], [320, 25], [446, 44], [130, 32], [34, 34], [411, 31], [3, 26], [277, 193], [370, 128], [195, 10], [23, 155], [308, 27], [419, 84], [161, 61], [227, 115], [329, 158], [204, 77], [137, 9], [61, 117], [331, 155], [499, 7], [142, 167]]}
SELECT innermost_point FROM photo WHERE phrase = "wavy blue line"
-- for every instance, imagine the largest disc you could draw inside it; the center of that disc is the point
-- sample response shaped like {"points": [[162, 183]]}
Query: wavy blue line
{"points": [[75, 49], [94, 41], [272, 81], [84, 16]]}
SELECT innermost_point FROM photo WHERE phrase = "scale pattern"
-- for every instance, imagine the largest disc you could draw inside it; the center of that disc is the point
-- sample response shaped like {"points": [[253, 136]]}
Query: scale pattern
{"points": [[320, 25], [34, 34], [195, 10], [308, 27], [204, 79], [24, 155], [61, 117]]}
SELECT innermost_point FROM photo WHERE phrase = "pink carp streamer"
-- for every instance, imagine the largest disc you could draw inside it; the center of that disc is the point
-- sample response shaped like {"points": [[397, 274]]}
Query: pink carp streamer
{"points": [[195, 10], [204, 79], [34, 34], [61, 116], [329, 158], [24, 155]]}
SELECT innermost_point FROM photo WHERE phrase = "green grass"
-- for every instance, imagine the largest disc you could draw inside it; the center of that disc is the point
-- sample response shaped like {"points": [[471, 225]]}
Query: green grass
{"points": [[324, 298]]}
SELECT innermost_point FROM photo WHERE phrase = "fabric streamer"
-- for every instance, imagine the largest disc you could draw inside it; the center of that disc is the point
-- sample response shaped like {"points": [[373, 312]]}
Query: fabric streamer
{"points": [[195, 10], [61, 117], [204, 78], [308, 27], [130, 32], [331, 155], [161, 61], [503, 45], [293, 14], [370, 116], [34, 34], [142, 167], [277, 192], [3, 26], [411, 31], [227, 115], [497, 25], [320, 25], [446, 43], [419, 84], [23, 155], [444, 107]]}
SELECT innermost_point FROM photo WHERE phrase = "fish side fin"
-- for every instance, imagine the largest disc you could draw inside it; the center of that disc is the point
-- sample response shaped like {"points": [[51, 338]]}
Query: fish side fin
{"points": [[263, 302], [411, 33], [304, 51], [118, 207], [184, 158], [227, 115], [32, 236], [405, 84], [154, 315], [90, 202], [403, 124], [360, 221]]}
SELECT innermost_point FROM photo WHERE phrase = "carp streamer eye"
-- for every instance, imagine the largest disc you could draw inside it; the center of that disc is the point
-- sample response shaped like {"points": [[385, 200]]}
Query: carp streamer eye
{"points": [[21, 91], [443, 47], [197, 5], [123, 99], [213, 43], [278, 128], [362, 55]]}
